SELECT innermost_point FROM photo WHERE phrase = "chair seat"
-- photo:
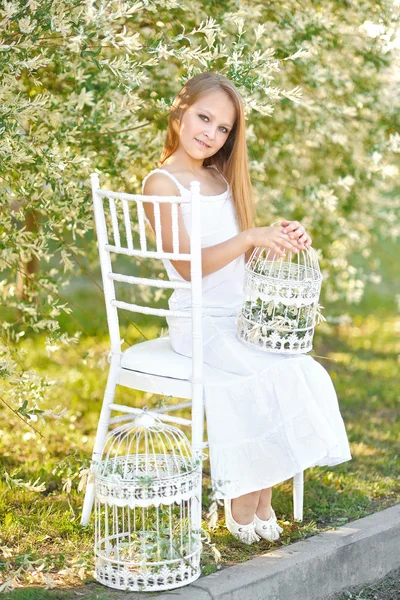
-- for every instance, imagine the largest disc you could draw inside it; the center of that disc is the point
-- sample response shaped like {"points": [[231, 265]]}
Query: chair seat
{"points": [[157, 357]]}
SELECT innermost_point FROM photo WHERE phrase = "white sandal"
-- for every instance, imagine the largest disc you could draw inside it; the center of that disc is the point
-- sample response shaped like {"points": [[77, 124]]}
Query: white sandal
{"points": [[244, 533], [269, 529]]}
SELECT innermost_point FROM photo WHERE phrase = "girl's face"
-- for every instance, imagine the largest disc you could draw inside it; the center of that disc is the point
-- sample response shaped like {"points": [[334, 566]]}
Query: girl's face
{"points": [[209, 120]]}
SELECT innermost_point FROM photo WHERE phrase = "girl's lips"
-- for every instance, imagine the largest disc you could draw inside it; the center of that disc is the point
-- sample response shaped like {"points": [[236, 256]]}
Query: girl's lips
{"points": [[202, 143]]}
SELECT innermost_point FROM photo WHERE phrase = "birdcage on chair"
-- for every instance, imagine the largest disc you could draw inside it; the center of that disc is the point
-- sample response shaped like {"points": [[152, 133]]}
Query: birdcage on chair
{"points": [[281, 306], [145, 495]]}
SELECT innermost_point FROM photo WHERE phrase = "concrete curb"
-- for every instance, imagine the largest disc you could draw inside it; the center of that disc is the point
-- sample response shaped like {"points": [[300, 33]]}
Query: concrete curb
{"points": [[325, 564]]}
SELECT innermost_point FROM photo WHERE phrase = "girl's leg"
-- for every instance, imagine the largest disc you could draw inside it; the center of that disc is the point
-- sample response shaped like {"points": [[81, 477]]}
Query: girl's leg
{"points": [[263, 509], [244, 507]]}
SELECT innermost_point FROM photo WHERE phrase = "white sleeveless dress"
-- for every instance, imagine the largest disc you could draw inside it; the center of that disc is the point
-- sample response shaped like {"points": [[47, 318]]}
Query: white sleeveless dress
{"points": [[271, 415]]}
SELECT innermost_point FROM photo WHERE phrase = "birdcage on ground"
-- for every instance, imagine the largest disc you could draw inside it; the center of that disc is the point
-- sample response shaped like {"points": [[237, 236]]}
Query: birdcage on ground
{"points": [[281, 305], [147, 485]]}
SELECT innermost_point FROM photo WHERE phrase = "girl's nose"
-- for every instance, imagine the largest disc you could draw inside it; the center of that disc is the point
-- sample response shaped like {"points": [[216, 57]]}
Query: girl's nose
{"points": [[210, 133]]}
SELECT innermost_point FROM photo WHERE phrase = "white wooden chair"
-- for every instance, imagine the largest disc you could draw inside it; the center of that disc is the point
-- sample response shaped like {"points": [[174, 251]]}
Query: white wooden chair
{"points": [[153, 366]]}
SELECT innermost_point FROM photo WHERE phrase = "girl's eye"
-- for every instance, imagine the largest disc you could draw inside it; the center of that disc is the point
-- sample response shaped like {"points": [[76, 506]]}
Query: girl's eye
{"points": [[205, 116]]}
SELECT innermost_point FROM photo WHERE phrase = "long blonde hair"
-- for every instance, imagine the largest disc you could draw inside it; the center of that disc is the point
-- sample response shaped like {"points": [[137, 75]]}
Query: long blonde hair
{"points": [[232, 158]]}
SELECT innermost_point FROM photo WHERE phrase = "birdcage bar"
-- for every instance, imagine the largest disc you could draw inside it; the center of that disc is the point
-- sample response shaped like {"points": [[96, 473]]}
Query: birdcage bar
{"points": [[286, 269], [104, 555], [124, 491], [120, 558]]}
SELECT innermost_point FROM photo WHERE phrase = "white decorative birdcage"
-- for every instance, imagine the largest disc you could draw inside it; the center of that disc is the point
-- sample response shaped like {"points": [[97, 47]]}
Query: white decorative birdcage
{"points": [[147, 485], [281, 309]]}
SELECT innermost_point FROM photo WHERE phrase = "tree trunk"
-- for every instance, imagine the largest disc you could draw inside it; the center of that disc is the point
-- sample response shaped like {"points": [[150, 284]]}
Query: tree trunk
{"points": [[31, 267]]}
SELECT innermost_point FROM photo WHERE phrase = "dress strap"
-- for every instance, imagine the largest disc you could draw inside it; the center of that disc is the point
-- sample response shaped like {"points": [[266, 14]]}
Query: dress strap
{"points": [[215, 167], [179, 185]]}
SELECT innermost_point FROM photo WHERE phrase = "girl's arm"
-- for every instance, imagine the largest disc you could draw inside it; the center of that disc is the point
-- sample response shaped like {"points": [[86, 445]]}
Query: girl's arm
{"points": [[214, 257]]}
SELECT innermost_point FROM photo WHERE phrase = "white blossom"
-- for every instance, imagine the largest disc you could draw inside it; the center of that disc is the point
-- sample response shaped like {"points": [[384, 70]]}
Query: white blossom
{"points": [[394, 142], [346, 182], [25, 25]]}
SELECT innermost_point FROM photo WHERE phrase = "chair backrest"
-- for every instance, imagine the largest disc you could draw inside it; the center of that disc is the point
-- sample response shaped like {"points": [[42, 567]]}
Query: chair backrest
{"points": [[122, 243], [118, 238]]}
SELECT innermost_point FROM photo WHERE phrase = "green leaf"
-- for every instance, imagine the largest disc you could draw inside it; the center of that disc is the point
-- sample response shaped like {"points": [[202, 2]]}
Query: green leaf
{"points": [[8, 520]]}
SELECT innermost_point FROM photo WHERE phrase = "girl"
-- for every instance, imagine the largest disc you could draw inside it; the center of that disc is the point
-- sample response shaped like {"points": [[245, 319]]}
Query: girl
{"points": [[275, 414]]}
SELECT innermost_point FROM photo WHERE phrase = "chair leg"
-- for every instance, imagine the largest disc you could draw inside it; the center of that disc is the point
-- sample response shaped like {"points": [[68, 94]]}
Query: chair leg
{"points": [[102, 430], [197, 509], [298, 496]]}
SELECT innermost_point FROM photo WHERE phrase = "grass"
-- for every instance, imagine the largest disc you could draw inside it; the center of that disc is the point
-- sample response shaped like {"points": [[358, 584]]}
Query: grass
{"points": [[41, 540], [89, 592]]}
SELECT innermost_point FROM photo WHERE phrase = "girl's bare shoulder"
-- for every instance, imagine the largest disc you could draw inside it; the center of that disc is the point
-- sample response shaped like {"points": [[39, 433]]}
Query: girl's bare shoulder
{"points": [[210, 179], [158, 184]]}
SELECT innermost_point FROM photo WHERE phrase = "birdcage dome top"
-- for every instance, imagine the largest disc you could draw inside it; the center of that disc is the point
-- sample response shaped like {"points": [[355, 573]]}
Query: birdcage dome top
{"points": [[145, 461], [298, 267], [141, 443]]}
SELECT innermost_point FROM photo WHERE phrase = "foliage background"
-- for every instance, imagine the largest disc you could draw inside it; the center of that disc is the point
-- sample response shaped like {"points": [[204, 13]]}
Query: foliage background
{"points": [[87, 86]]}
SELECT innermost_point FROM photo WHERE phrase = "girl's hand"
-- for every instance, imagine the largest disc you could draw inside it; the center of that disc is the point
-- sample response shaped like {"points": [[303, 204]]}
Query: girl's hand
{"points": [[273, 238], [296, 232]]}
